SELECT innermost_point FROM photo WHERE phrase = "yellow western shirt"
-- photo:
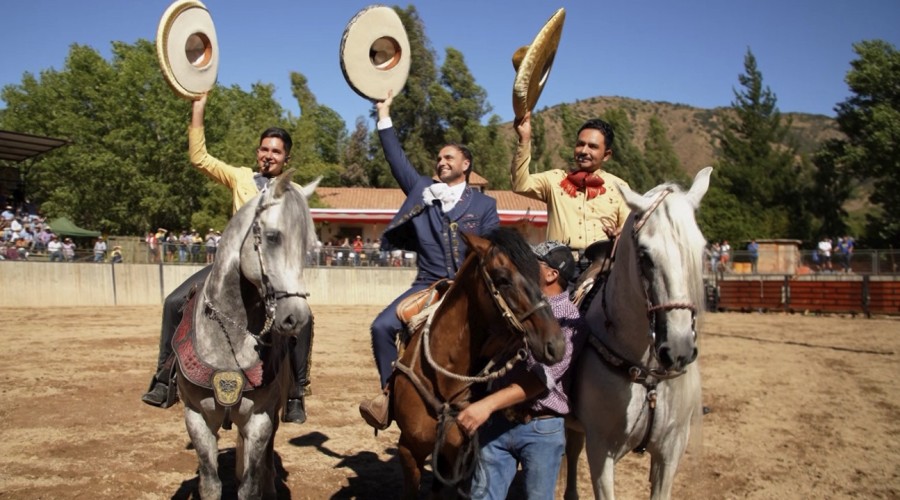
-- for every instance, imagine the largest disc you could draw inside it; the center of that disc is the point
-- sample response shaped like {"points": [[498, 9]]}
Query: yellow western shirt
{"points": [[238, 179], [576, 220]]}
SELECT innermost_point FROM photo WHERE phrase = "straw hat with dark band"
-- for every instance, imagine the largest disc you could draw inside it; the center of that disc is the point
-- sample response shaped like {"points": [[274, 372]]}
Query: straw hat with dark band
{"points": [[187, 48], [375, 54], [533, 63]]}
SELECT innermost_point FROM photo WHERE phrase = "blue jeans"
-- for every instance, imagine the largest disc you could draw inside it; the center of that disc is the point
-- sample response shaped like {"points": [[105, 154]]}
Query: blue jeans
{"points": [[538, 445]]}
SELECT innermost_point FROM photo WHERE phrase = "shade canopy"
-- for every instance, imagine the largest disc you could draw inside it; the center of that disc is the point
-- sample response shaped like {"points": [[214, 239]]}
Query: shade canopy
{"points": [[64, 227], [16, 146]]}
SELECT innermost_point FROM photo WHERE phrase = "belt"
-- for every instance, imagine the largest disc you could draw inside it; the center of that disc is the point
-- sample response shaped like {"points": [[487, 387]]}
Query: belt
{"points": [[524, 416]]}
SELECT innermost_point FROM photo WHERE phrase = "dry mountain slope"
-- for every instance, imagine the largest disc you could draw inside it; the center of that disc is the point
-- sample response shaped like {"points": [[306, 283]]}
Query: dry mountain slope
{"points": [[691, 130]]}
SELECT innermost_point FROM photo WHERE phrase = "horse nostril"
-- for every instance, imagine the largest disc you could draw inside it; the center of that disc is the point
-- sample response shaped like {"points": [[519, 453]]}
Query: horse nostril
{"points": [[665, 357], [289, 322], [694, 355]]}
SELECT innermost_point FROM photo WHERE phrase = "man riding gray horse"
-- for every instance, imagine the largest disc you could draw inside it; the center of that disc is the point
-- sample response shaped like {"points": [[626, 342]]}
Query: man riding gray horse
{"points": [[272, 155]]}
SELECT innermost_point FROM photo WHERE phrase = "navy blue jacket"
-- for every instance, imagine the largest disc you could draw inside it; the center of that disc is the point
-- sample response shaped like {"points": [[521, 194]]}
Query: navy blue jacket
{"points": [[425, 229]]}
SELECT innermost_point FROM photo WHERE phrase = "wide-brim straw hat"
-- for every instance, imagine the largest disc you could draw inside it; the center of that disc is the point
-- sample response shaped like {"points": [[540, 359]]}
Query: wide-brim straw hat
{"points": [[375, 55], [533, 63], [187, 48]]}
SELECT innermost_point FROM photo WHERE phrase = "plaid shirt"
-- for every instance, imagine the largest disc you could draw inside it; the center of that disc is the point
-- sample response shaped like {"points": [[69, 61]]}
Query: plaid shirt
{"points": [[556, 377]]}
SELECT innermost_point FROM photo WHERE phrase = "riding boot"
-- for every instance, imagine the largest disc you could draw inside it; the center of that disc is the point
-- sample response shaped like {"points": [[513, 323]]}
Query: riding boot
{"points": [[377, 411], [173, 312], [301, 358], [158, 394]]}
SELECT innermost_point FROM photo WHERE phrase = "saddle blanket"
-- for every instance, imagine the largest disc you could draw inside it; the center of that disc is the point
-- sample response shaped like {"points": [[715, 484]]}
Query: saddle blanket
{"points": [[195, 369]]}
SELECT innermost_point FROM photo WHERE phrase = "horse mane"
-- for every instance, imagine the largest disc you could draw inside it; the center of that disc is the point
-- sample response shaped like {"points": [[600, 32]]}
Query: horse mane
{"points": [[511, 242], [680, 216]]}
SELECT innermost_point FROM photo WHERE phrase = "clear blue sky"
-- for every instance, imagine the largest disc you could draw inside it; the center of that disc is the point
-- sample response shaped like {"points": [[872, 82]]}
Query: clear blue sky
{"points": [[688, 51]]}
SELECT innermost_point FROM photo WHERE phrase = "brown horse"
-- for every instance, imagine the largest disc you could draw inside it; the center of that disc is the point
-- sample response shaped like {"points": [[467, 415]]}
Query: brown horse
{"points": [[492, 314]]}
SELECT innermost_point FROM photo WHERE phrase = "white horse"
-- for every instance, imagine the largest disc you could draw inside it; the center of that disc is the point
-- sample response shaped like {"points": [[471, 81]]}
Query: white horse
{"points": [[233, 365], [637, 386]]}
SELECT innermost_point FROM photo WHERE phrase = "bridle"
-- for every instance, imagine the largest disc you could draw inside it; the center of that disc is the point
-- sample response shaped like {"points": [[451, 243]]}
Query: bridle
{"points": [[513, 320], [653, 371], [270, 295], [447, 411]]}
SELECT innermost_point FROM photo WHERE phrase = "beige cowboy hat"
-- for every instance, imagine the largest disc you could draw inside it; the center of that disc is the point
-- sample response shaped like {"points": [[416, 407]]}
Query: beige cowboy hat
{"points": [[187, 48], [533, 63], [375, 55]]}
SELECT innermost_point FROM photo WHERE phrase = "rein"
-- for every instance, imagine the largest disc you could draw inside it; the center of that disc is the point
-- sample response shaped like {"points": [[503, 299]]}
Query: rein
{"points": [[269, 294], [447, 411], [647, 375], [644, 372]]}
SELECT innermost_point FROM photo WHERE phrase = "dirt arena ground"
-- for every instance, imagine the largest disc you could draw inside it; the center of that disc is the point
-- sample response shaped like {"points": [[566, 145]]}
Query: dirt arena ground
{"points": [[801, 407]]}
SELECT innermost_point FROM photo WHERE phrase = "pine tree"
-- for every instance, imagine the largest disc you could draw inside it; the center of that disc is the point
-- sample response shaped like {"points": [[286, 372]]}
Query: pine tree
{"points": [[758, 164], [871, 121]]}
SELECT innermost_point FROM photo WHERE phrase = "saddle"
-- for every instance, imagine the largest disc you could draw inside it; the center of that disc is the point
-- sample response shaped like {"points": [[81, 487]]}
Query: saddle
{"points": [[600, 256], [227, 385], [409, 309]]}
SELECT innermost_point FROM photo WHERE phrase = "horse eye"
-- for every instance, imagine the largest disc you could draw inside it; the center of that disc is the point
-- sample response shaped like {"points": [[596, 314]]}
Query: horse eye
{"points": [[273, 237], [644, 256]]}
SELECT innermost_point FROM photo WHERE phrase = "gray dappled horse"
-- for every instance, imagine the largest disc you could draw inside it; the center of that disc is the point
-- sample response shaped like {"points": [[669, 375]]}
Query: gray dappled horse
{"points": [[233, 363], [637, 386]]}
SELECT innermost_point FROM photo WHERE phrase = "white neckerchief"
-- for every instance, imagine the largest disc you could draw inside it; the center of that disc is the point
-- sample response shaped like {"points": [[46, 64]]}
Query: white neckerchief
{"points": [[449, 196]]}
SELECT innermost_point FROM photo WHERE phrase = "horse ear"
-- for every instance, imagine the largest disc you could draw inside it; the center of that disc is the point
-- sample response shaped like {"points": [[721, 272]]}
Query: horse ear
{"points": [[310, 188], [283, 181], [636, 201], [476, 243], [698, 189]]}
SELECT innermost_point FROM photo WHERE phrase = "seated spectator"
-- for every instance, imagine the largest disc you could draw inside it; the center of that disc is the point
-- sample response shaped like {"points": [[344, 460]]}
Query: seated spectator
{"points": [[116, 255], [21, 248], [68, 250], [54, 249]]}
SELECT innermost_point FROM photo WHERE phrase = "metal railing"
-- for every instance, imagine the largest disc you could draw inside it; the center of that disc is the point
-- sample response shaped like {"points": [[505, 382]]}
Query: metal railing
{"points": [[866, 262]]}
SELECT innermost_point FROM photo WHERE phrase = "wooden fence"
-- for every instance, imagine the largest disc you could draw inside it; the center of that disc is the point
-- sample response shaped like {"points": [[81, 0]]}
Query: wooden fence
{"points": [[865, 294]]}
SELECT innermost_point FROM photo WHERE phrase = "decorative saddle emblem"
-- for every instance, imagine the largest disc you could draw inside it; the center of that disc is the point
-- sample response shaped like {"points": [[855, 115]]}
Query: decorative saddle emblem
{"points": [[227, 385]]}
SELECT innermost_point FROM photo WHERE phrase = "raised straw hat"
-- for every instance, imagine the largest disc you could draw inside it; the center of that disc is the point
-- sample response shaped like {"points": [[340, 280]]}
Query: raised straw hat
{"points": [[533, 63], [187, 48], [375, 55]]}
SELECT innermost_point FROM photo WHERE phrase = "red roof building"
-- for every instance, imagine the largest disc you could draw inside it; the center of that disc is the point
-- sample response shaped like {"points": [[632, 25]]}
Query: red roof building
{"points": [[366, 212]]}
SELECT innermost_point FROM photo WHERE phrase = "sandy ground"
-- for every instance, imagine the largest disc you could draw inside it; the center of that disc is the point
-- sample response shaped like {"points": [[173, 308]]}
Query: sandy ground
{"points": [[801, 407]]}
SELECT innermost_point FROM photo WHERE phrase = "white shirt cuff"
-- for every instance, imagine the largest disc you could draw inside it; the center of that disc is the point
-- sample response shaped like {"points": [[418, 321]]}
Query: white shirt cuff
{"points": [[384, 123]]}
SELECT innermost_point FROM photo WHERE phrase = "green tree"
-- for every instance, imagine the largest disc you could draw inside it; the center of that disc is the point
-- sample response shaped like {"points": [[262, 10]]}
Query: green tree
{"points": [[627, 160], [660, 157], [126, 169], [758, 165], [319, 135], [870, 119], [356, 157]]}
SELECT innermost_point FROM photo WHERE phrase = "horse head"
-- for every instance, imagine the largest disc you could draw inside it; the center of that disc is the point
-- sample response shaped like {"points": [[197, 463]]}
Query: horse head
{"points": [[662, 246], [273, 251], [510, 272]]}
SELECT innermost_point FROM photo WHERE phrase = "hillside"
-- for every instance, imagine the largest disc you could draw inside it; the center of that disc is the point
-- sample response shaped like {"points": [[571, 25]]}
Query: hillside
{"points": [[691, 130]]}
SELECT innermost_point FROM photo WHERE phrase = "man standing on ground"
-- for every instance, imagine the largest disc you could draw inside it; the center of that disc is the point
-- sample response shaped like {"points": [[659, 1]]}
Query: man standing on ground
{"points": [[530, 429]]}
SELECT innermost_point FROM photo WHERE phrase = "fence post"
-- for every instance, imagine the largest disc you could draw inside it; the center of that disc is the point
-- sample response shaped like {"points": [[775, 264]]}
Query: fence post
{"points": [[865, 296], [115, 295], [162, 287], [786, 293]]}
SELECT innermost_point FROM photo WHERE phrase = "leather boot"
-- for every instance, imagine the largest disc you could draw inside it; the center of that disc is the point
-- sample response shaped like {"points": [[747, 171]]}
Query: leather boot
{"points": [[158, 393], [294, 411], [377, 411], [300, 360]]}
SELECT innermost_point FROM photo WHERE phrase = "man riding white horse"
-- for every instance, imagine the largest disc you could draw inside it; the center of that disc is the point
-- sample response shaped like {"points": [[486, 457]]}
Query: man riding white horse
{"points": [[272, 155]]}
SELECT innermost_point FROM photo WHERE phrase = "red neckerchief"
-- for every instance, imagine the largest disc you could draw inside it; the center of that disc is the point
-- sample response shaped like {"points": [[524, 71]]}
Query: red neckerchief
{"points": [[580, 180]]}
